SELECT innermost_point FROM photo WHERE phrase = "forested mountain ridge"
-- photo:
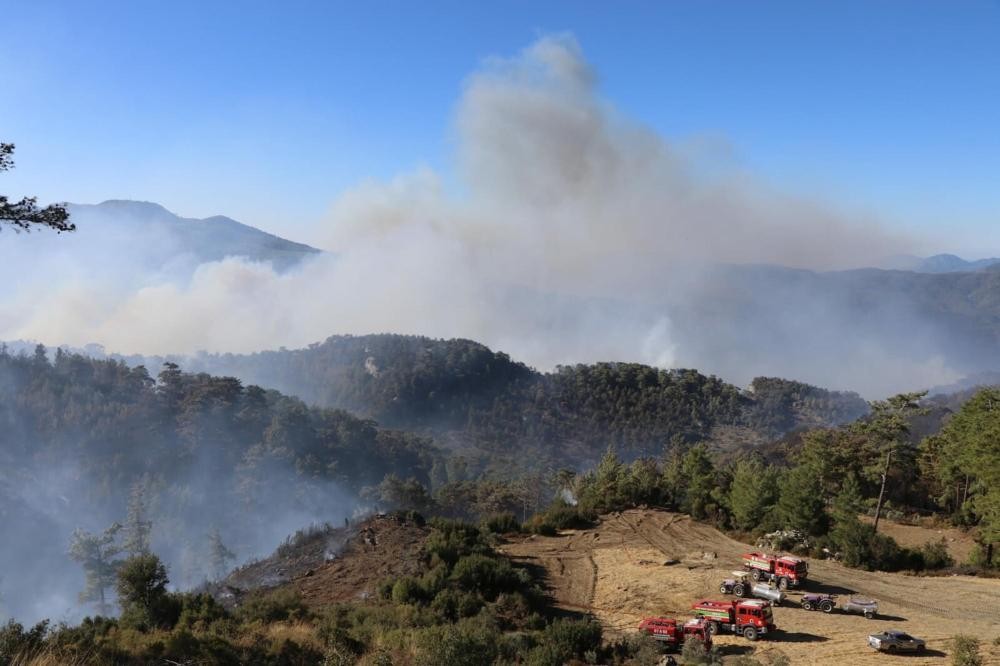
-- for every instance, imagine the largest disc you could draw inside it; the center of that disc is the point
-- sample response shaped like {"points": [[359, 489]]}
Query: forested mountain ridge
{"points": [[471, 397], [82, 439]]}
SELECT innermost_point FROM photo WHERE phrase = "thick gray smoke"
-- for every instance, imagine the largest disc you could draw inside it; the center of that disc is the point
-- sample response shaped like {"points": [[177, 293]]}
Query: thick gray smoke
{"points": [[573, 234]]}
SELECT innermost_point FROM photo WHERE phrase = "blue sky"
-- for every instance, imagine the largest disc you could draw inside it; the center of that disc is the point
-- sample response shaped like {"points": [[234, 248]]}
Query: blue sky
{"points": [[266, 111]]}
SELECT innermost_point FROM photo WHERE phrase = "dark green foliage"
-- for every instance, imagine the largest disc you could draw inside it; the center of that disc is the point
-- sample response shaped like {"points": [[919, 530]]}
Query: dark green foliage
{"points": [[491, 406], [142, 593], [861, 546], [961, 462], [781, 405], [564, 640], [199, 611], [466, 643], [694, 488], [800, 504], [934, 555], [452, 539], [278, 606], [753, 493], [560, 516], [97, 553], [502, 523], [486, 576], [406, 590], [16, 640], [26, 214]]}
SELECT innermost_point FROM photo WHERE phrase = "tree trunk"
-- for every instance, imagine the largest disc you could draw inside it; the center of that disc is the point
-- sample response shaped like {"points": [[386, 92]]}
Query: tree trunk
{"points": [[881, 492]]}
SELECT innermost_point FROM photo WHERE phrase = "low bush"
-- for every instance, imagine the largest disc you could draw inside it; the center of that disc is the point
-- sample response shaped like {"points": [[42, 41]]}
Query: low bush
{"points": [[267, 607], [935, 555], [965, 651], [502, 523]]}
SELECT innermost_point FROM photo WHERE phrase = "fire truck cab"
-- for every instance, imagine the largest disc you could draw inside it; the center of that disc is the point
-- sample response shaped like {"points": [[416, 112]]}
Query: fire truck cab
{"points": [[668, 631]]}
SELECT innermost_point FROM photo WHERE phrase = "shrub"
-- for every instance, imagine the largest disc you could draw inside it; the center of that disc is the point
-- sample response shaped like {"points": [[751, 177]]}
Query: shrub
{"points": [[15, 640], [694, 652], [502, 523], [268, 607], [965, 651], [977, 558], [486, 575], [452, 539], [198, 611], [451, 605], [464, 644], [861, 546], [142, 594], [564, 640], [935, 555], [406, 590], [560, 516]]}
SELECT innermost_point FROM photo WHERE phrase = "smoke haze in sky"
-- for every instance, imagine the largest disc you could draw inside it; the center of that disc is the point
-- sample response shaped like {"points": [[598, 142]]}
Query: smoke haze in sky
{"points": [[567, 233]]}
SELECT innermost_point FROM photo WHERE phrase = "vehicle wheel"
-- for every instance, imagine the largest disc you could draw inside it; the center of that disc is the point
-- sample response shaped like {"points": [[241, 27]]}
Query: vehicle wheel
{"points": [[750, 633], [869, 615], [723, 589], [712, 629], [920, 648], [891, 648], [739, 590], [783, 583], [755, 574], [807, 605], [826, 606]]}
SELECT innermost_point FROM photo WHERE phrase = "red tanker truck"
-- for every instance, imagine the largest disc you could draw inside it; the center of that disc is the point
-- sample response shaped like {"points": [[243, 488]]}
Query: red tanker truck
{"points": [[785, 570], [668, 631], [751, 617]]}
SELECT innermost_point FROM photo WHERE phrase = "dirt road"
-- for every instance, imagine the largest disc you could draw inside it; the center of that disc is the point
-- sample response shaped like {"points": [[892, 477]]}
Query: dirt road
{"points": [[648, 562]]}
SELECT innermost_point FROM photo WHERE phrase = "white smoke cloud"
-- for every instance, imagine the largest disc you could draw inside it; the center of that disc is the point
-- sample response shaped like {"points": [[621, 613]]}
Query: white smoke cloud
{"points": [[575, 235]]}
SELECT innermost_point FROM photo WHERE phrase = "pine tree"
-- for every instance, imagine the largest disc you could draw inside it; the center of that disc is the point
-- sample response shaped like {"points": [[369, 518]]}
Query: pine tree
{"points": [[698, 472], [137, 528], [97, 553], [800, 505], [26, 213], [219, 557], [753, 493], [887, 430]]}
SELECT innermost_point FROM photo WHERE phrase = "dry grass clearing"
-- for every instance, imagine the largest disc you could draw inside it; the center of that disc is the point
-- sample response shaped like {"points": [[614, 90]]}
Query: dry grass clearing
{"points": [[648, 562]]}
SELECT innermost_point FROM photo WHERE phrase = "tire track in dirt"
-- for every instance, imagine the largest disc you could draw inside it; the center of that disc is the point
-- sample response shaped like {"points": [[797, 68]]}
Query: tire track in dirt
{"points": [[620, 566]]}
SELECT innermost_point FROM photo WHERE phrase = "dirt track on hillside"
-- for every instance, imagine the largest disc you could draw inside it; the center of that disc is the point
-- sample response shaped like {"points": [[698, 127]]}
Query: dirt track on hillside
{"points": [[647, 562]]}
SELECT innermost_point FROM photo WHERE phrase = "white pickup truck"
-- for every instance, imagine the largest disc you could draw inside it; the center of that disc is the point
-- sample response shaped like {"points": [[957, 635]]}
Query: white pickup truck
{"points": [[896, 641]]}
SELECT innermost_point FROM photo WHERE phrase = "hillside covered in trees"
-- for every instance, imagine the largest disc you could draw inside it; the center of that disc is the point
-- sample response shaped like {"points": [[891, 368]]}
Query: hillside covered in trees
{"points": [[87, 443], [476, 400]]}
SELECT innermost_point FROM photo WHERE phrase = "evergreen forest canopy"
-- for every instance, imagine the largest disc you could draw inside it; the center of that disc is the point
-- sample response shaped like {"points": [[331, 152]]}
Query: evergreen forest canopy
{"points": [[210, 461], [104, 465], [484, 404]]}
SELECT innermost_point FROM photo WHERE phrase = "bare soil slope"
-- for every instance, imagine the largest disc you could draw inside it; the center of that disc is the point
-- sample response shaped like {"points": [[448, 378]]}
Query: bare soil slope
{"points": [[959, 544], [649, 562], [327, 565]]}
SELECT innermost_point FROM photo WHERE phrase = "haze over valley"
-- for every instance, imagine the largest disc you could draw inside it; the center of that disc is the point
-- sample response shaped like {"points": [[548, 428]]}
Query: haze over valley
{"points": [[379, 335]]}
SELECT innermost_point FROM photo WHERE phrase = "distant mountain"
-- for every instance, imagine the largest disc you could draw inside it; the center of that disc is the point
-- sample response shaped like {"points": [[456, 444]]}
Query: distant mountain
{"points": [[122, 246], [208, 239], [938, 263]]}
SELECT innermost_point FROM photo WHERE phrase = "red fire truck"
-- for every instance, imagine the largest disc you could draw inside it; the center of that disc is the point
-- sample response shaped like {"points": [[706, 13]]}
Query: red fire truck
{"points": [[785, 570], [751, 617], [668, 631]]}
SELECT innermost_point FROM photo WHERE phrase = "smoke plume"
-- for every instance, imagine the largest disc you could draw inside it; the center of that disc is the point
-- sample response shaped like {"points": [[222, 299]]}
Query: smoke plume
{"points": [[568, 233]]}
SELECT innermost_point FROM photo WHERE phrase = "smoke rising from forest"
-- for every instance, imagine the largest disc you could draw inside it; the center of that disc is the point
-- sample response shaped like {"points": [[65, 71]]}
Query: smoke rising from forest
{"points": [[571, 234]]}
